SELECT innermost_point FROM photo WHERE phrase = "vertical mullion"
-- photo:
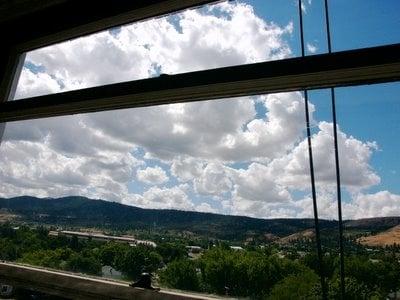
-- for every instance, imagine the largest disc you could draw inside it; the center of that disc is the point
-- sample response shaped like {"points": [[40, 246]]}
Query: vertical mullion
{"points": [[312, 175], [11, 67], [337, 164]]}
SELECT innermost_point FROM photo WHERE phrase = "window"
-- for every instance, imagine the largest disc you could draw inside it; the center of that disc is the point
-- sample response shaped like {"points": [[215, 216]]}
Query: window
{"points": [[180, 180]]}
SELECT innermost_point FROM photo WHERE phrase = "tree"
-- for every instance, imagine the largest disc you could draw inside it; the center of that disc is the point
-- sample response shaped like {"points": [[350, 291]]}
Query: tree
{"points": [[330, 264], [138, 259], [8, 251], [300, 286], [387, 272], [181, 274], [110, 251], [47, 258], [171, 251], [244, 273], [83, 264], [354, 289]]}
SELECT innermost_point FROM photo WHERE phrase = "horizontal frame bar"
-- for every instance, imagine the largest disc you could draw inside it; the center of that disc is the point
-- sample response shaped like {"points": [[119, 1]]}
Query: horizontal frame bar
{"points": [[355, 67], [70, 19], [74, 286]]}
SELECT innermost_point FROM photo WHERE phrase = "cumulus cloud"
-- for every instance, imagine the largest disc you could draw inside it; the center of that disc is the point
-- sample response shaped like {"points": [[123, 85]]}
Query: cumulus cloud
{"points": [[214, 180], [257, 183], [256, 191], [32, 84], [32, 168], [151, 175], [186, 168], [362, 205], [380, 204], [354, 155], [219, 129], [161, 198]]}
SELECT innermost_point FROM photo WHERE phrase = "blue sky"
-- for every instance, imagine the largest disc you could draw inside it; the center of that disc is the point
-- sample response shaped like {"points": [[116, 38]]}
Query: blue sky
{"points": [[354, 24], [242, 156]]}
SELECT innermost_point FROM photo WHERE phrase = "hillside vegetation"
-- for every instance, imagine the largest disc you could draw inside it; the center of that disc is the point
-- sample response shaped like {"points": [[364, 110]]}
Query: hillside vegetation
{"points": [[84, 212]]}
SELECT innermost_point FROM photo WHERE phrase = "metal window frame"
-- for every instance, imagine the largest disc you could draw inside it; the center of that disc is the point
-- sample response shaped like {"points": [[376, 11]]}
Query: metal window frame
{"points": [[355, 67], [56, 21]]}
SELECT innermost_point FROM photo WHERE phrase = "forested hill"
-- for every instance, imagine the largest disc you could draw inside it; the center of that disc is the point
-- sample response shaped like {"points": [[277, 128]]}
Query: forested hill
{"points": [[80, 211]]}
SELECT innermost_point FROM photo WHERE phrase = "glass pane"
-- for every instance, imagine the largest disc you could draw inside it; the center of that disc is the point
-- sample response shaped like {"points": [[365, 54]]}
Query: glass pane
{"points": [[224, 34], [221, 158], [368, 122], [185, 178], [364, 23]]}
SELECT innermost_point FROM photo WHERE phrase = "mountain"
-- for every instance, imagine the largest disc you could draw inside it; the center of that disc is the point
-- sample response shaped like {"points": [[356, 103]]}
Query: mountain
{"points": [[374, 224], [385, 238], [81, 211], [308, 234]]}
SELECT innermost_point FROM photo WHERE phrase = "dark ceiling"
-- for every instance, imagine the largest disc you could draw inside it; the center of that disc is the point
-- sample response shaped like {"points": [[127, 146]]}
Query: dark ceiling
{"points": [[23, 21]]}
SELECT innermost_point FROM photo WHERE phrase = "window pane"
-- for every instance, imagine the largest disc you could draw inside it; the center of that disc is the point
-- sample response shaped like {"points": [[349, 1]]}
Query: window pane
{"points": [[222, 156], [219, 35], [245, 156], [360, 24], [368, 121]]}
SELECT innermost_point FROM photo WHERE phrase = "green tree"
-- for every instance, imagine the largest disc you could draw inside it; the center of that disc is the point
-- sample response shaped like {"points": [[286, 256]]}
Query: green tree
{"points": [[110, 251], [244, 273], [171, 251], [354, 290], [83, 264], [300, 286], [137, 260], [181, 274], [8, 251], [47, 258], [330, 264]]}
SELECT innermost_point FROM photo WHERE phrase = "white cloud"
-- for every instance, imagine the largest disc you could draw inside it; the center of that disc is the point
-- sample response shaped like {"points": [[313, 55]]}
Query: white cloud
{"points": [[256, 192], [214, 180], [362, 205], [151, 175], [205, 207], [186, 168], [311, 48], [354, 155], [380, 204], [31, 84], [218, 129], [161, 198], [32, 168], [257, 183]]}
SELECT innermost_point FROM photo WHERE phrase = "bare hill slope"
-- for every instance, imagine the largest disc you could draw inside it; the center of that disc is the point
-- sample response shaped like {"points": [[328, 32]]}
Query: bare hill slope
{"points": [[385, 238]]}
